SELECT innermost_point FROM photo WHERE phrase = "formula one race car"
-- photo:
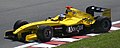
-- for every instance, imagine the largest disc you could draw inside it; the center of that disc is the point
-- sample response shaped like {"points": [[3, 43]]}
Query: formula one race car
{"points": [[73, 21]]}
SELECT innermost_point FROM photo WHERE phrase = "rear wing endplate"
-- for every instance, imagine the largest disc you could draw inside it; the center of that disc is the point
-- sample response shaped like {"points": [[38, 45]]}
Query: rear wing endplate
{"points": [[104, 11]]}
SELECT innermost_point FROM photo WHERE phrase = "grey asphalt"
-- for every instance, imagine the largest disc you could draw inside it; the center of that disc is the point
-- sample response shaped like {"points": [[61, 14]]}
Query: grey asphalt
{"points": [[34, 10]]}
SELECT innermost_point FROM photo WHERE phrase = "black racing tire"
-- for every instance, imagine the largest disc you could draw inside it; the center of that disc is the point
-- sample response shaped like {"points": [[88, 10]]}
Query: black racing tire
{"points": [[44, 33], [19, 23], [102, 24]]}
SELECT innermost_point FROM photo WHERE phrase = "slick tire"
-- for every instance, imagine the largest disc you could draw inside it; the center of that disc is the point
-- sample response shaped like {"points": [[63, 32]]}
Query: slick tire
{"points": [[44, 33], [18, 24], [102, 24]]}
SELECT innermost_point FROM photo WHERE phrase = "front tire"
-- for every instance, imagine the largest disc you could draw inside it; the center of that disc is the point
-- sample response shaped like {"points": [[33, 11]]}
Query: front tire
{"points": [[18, 24], [44, 33]]}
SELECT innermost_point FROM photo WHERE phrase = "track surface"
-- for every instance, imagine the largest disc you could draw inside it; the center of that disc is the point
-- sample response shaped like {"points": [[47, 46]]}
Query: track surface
{"points": [[34, 10]]}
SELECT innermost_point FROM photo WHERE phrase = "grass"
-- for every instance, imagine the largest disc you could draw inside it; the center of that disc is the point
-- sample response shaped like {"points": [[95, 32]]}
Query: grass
{"points": [[106, 40]]}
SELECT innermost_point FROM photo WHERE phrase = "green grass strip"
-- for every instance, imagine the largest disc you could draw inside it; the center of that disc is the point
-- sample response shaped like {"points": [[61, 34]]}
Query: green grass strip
{"points": [[105, 40]]}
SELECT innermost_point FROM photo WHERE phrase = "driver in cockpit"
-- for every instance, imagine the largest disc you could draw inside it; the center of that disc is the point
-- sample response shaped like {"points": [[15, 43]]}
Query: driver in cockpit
{"points": [[61, 16], [67, 13]]}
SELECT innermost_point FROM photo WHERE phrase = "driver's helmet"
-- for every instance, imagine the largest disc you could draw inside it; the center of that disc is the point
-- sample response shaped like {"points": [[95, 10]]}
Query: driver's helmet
{"points": [[61, 15]]}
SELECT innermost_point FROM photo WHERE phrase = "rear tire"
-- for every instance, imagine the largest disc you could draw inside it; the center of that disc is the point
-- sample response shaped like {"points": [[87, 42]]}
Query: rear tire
{"points": [[44, 33], [102, 24]]}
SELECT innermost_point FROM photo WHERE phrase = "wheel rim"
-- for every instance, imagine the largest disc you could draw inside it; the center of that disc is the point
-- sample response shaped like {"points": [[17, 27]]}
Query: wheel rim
{"points": [[48, 33], [106, 24]]}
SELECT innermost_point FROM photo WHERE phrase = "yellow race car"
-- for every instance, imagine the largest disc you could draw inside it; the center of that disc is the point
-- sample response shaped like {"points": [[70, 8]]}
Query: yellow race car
{"points": [[73, 21]]}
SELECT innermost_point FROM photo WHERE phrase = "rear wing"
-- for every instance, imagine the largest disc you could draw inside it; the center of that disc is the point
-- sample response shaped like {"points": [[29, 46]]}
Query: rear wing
{"points": [[104, 11]]}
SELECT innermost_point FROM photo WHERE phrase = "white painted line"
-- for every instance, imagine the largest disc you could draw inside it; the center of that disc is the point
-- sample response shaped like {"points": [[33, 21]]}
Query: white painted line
{"points": [[115, 22], [114, 28], [44, 45], [65, 39], [92, 34], [26, 45]]}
